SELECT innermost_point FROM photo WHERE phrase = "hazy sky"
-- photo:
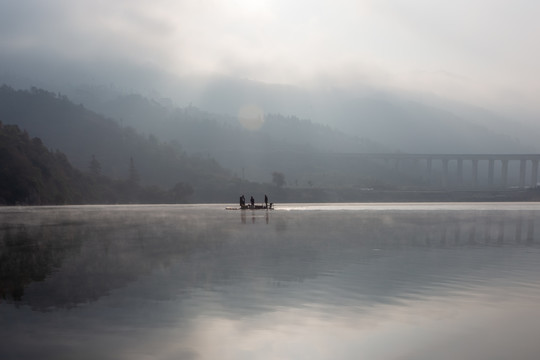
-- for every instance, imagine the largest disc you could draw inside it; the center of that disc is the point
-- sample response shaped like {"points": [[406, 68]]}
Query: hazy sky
{"points": [[484, 51]]}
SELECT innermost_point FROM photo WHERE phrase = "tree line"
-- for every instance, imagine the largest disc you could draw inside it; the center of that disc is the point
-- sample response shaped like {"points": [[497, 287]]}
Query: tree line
{"points": [[31, 174]]}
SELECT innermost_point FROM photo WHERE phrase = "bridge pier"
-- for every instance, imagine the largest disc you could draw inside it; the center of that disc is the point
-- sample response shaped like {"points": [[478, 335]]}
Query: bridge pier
{"points": [[460, 172], [507, 175], [445, 173], [490, 172], [522, 169], [475, 172], [429, 164], [504, 180], [534, 173]]}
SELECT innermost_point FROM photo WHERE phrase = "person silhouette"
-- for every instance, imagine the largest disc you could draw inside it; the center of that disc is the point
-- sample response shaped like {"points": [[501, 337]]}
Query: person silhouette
{"points": [[252, 202], [265, 201]]}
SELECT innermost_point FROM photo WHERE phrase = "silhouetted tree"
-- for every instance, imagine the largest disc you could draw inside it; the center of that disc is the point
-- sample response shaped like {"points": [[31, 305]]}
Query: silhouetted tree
{"points": [[133, 173], [181, 191], [94, 167], [278, 179]]}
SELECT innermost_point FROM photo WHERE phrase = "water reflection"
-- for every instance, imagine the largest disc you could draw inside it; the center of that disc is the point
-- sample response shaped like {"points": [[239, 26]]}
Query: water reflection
{"points": [[75, 262], [256, 215], [350, 281]]}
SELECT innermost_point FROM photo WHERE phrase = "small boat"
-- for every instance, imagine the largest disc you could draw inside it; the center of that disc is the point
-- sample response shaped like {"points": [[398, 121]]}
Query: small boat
{"points": [[254, 207]]}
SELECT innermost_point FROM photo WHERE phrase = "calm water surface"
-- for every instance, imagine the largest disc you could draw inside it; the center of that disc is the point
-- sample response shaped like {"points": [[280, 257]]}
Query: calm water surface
{"points": [[332, 281]]}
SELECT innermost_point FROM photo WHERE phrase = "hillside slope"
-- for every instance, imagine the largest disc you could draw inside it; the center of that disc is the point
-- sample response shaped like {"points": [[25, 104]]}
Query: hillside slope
{"points": [[82, 134], [30, 174]]}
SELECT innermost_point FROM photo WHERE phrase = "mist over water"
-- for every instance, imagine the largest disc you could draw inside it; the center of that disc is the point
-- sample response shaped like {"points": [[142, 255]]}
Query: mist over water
{"points": [[304, 281]]}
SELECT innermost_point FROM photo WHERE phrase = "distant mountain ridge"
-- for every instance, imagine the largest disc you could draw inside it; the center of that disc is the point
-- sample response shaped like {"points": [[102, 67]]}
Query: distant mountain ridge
{"points": [[395, 121], [253, 153], [124, 154], [400, 121], [217, 154], [30, 174], [173, 123], [82, 135]]}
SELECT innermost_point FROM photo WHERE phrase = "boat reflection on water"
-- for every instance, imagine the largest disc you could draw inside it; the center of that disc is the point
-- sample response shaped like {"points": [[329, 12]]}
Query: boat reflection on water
{"points": [[255, 216], [304, 282]]}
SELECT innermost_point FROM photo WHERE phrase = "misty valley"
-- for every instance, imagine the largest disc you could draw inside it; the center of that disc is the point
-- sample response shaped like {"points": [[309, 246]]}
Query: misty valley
{"points": [[57, 152], [269, 179]]}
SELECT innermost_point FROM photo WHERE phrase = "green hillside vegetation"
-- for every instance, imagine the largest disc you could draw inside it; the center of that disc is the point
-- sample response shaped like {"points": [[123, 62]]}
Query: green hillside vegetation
{"points": [[296, 160], [282, 143], [201, 131], [30, 174], [402, 121], [111, 163], [198, 146], [82, 135]]}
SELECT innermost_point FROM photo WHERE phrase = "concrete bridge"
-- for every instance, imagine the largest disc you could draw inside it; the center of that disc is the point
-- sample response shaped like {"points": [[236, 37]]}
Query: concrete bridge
{"points": [[497, 169]]}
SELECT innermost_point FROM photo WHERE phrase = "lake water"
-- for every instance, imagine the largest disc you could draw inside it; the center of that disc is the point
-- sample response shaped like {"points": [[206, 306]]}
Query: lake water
{"points": [[304, 281]]}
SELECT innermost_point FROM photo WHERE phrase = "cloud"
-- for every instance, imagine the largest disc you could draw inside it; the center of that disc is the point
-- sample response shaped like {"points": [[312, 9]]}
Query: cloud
{"points": [[489, 45]]}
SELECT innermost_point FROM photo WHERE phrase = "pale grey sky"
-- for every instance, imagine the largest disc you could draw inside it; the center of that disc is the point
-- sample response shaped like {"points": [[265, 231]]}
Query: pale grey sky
{"points": [[483, 51]]}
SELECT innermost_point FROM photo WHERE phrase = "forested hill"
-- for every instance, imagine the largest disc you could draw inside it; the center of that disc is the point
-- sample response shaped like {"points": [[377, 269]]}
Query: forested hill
{"points": [[273, 142], [83, 135], [30, 174], [201, 131], [171, 145]]}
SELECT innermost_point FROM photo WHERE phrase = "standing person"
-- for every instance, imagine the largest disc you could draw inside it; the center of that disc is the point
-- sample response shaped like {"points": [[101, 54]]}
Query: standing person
{"points": [[252, 202], [265, 201], [242, 201]]}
